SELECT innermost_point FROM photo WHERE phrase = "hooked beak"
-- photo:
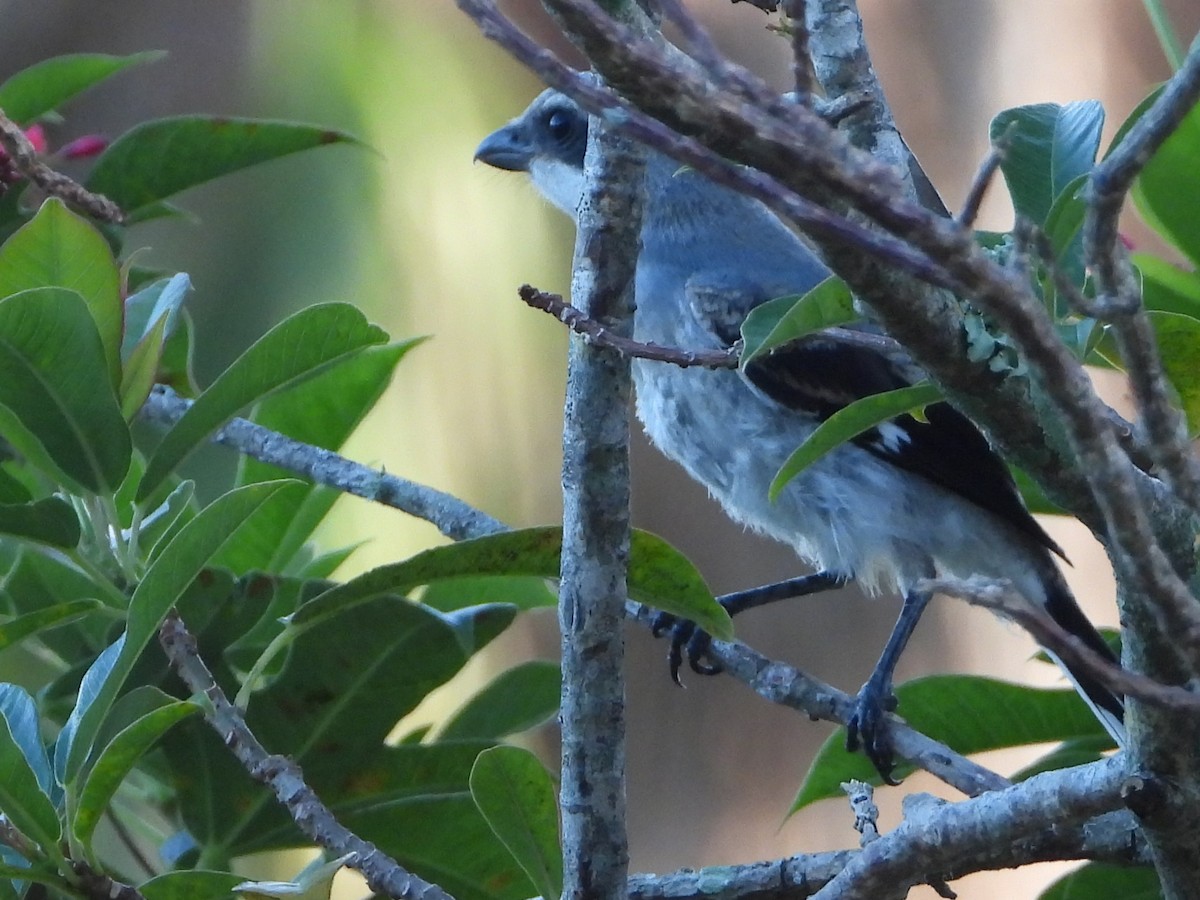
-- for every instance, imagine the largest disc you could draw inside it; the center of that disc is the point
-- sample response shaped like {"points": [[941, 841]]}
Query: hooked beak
{"points": [[506, 148]]}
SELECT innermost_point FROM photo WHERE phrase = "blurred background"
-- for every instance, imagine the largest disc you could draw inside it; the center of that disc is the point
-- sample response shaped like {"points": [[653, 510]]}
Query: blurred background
{"points": [[429, 244]]}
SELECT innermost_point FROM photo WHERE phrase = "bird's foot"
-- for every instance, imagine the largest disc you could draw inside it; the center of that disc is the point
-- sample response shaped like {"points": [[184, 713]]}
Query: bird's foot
{"points": [[687, 640], [868, 727]]}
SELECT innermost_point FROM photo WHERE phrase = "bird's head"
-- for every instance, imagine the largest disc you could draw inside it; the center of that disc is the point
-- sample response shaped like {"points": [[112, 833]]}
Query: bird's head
{"points": [[548, 140]]}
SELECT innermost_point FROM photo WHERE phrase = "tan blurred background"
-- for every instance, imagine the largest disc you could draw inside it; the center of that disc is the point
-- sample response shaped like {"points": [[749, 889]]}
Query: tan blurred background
{"points": [[427, 243]]}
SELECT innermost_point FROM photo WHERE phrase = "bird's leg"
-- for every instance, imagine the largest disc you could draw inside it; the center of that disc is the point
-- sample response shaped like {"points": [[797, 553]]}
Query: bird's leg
{"points": [[866, 726], [687, 639]]}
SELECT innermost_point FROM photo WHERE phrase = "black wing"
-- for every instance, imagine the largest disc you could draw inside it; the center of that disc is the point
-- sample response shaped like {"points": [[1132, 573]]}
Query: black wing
{"points": [[821, 375]]}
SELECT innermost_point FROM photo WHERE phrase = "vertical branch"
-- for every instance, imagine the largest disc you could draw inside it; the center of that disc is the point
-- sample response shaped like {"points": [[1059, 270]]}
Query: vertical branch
{"points": [[1118, 292], [596, 528], [801, 63]]}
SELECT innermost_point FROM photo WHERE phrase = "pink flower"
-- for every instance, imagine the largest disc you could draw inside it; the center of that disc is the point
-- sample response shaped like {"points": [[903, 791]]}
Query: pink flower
{"points": [[84, 147], [37, 137]]}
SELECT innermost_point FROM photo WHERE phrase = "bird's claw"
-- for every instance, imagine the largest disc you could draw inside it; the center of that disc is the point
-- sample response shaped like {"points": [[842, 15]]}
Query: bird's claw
{"points": [[868, 728], [687, 640]]}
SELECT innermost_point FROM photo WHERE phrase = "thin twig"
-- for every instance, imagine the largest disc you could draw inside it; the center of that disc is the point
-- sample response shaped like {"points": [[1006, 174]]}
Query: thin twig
{"points": [[696, 39], [791, 687], [1001, 597], [802, 74], [866, 814], [708, 359], [601, 336], [1117, 291], [283, 776], [981, 182], [131, 845], [24, 158], [1032, 241], [452, 517]]}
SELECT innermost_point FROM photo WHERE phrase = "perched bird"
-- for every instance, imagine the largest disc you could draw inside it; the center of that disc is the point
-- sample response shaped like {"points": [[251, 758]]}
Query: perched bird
{"points": [[902, 502]]}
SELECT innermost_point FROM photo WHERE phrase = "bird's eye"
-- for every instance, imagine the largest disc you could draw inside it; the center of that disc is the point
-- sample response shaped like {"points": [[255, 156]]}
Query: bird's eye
{"points": [[560, 124]]}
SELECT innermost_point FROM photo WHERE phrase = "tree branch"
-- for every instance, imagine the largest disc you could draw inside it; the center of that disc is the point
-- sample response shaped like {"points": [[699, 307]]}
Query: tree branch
{"points": [[1118, 294], [980, 827], [284, 778], [598, 334], [596, 531], [1000, 597], [24, 158], [452, 517]]}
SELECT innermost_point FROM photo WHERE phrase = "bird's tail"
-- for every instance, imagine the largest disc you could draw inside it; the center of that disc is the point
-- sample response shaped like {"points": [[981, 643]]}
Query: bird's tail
{"points": [[1108, 707]]}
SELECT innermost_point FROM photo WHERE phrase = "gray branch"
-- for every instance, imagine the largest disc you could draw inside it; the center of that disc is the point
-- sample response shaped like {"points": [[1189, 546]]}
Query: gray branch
{"points": [[981, 827], [452, 517], [596, 530], [1118, 293], [283, 777]]}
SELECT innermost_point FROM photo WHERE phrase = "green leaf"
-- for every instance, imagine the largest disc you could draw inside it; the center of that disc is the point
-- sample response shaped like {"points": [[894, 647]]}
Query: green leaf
{"points": [[53, 379], [659, 575], [22, 799], [298, 347], [175, 367], [195, 884], [16, 630], [150, 316], [44, 86], [323, 411], [12, 490], [140, 370], [49, 521], [57, 248], [157, 534], [39, 581], [89, 689], [785, 319], [1132, 119], [849, 422], [516, 795], [161, 299], [20, 712], [117, 760], [1064, 228], [160, 158], [455, 593], [968, 713], [521, 698], [1179, 346], [165, 581], [1035, 498], [1167, 288], [1168, 189], [1099, 880], [1049, 146]]}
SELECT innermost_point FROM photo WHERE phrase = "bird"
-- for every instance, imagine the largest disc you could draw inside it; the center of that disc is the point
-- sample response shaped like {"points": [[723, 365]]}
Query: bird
{"points": [[911, 499]]}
